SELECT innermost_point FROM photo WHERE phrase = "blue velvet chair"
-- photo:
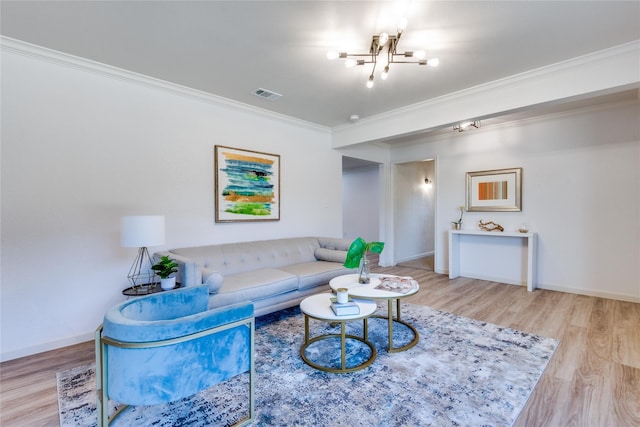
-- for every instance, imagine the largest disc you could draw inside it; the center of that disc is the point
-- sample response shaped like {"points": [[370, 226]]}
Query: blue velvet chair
{"points": [[166, 346]]}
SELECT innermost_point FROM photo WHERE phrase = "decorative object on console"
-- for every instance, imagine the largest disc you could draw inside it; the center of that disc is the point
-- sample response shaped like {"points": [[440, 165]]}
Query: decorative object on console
{"points": [[457, 225], [523, 228], [490, 226], [141, 232], [378, 44], [247, 185], [497, 190], [357, 256], [165, 268]]}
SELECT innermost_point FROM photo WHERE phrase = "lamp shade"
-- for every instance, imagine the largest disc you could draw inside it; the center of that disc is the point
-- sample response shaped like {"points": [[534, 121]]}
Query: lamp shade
{"points": [[141, 231]]}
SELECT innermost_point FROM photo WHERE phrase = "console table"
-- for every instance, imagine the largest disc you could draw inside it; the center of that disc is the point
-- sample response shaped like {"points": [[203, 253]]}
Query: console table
{"points": [[454, 251]]}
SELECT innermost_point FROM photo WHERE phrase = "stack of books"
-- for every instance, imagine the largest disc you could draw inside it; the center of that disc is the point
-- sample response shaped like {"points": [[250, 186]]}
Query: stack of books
{"points": [[345, 309]]}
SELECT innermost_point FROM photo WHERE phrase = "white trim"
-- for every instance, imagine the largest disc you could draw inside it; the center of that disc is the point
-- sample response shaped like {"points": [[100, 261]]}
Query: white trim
{"points": [[591, 293], [40, 53], [40, 348], [606, 70], [414, 257], [576, 291]]}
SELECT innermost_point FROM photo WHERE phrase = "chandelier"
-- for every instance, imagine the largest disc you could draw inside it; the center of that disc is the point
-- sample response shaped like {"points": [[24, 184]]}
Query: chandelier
{"points": [[381, 43]]}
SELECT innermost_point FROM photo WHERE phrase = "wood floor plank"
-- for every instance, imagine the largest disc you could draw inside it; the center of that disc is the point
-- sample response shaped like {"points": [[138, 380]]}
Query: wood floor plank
{"points": [[624, 382], [592, 380]]}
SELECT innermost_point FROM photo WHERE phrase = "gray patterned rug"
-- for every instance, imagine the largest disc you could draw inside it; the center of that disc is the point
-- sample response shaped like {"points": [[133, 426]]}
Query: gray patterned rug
{"points": [[461, 373]]}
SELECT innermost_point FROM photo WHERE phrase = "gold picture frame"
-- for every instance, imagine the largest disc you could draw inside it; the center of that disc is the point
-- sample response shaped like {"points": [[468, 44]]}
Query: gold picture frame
{"points": [[498, 190], [247, 185]]}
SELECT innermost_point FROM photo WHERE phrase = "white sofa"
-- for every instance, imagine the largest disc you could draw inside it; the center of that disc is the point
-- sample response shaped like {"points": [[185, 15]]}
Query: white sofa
{"points": [[273, 274]]}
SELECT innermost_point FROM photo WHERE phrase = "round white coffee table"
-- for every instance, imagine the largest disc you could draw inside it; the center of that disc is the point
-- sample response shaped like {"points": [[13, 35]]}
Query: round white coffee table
{"points": [[371, 291], [319, 307]]}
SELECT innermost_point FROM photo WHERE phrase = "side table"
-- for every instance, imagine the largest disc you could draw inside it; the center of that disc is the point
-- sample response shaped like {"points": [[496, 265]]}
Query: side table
{"points": [[319, 307], [370, 291], [147, 289]]}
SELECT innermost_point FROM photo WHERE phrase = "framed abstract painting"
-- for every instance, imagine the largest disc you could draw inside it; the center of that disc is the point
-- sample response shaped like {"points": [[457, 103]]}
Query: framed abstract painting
{"points": [[247, 185], [497, 190]]}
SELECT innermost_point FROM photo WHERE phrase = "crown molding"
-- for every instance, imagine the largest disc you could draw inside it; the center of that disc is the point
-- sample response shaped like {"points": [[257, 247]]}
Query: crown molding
{"points": [[447, 109], [19, 47]]}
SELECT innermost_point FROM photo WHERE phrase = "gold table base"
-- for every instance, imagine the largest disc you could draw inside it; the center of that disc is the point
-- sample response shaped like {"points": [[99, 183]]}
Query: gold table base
{"points": [[391, 319], [343, 336]]}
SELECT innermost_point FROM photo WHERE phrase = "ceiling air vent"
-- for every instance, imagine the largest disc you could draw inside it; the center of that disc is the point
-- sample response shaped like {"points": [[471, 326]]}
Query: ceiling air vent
{"points": [[267, 94]]}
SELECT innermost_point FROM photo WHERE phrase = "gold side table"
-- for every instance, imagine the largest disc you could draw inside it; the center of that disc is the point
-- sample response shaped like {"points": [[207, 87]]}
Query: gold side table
{"points": [[370, 291], [319, 307]]}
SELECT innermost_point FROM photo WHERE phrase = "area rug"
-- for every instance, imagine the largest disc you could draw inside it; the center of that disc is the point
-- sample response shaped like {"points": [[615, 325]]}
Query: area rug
{"points": [[461, 373]]}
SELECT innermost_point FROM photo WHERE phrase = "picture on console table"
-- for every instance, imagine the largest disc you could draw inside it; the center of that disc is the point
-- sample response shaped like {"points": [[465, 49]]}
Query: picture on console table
{"points": [[247, 185], [497, 190]]}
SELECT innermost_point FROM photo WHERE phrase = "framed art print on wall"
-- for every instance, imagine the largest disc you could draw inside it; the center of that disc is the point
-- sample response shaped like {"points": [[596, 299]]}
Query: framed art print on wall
{"points": [[497, 190], [247, 185]]}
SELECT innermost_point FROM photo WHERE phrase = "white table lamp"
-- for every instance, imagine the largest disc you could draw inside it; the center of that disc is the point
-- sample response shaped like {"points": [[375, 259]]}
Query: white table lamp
{"points": [[141, 232]]}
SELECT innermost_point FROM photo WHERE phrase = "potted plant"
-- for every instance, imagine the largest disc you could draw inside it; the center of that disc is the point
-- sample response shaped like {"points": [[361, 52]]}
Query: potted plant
{"points": [[357, 257], [165, 268]]}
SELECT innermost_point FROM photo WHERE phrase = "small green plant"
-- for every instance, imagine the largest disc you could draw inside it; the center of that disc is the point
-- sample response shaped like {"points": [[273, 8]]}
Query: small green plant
{"points": [[358, 249], [165, 267]]}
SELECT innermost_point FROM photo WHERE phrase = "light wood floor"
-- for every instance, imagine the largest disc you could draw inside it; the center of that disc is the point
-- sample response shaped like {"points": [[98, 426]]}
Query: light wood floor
{"points": [[592, 380]]}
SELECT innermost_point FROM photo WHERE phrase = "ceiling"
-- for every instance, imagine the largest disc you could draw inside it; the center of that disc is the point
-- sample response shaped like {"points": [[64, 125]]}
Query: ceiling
{"points": [[231, 48]]}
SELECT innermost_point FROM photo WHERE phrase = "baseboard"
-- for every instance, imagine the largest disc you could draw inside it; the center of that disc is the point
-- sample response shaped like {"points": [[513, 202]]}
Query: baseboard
{"points": [[577, 291], [414, 257], [41, 348], [591, 293], [493, 279]]}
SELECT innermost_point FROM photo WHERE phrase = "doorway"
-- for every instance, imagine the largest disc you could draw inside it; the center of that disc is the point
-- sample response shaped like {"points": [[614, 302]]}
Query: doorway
{"points": [[414, 213], [360, 199]]}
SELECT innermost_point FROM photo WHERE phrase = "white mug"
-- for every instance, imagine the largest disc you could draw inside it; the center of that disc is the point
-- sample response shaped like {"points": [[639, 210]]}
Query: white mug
{"points": [[342, 295]]}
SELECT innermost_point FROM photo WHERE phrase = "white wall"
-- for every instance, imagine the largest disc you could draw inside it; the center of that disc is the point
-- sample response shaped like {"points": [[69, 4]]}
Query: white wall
{"points": [[81, 148], [361, 199], [581, 192], [413, 210]]}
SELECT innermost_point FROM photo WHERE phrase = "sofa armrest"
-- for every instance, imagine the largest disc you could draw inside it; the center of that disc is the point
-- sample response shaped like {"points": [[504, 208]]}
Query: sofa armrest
{"points": [[168, 315]]}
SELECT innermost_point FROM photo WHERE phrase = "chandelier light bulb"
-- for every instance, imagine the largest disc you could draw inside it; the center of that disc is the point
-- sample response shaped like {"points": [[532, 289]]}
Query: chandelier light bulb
{"points": [[383, 39], [332, 54], [434, 62], [420, 54], [350, 63], [385, 73], [370, 81]]}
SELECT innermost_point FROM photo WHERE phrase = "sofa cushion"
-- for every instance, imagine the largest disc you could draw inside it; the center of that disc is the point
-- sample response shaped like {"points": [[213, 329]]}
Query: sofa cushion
{"points": [[254, 285], [330, 255], [334, 243], [312, 274]]}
